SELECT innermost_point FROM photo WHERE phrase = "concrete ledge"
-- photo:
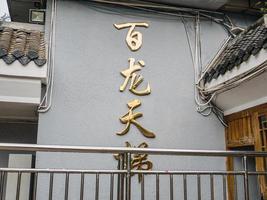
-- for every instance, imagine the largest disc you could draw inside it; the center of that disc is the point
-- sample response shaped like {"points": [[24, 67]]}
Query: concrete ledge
{"points": [[19, 98]]}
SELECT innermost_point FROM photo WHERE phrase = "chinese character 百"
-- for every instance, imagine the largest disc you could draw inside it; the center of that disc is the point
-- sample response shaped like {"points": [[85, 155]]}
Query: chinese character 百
{"points": [[130, 118], [133, 38], [136, 80]]}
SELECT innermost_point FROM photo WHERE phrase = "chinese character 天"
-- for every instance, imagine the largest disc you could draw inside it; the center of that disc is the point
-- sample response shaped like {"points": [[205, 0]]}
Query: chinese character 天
{"points": [[130, 118]]}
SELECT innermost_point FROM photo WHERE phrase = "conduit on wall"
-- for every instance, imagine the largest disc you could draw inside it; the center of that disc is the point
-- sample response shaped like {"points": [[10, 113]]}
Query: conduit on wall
{"points": [[46, 101]]}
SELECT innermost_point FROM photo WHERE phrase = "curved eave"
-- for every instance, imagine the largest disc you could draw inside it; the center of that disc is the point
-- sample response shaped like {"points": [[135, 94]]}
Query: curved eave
{"points": [[240, 71]]}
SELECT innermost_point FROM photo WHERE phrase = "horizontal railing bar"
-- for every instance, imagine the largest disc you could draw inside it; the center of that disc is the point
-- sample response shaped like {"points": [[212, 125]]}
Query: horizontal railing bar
{"points": [[70, 171], [257, 173], [188, 172], [78, 171], [112, 150]]}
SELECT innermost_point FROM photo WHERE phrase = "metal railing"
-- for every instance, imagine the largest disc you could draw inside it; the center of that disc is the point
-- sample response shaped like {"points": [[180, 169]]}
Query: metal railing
{"points": [[210, 184]]}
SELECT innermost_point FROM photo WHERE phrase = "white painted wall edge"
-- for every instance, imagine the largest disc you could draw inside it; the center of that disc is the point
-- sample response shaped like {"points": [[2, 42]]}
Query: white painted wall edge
{"points": [[15, 99], [246, 106], [31, 70], [20, 90]]}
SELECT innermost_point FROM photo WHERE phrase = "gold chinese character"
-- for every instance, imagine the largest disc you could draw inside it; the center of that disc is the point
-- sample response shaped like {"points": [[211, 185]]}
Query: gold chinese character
{"points": [[130, 118], [133, 38], [136, 80], [138, 161]]}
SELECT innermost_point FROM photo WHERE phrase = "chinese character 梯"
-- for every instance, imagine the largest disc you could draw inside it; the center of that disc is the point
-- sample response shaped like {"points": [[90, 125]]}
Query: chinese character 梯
{"points": [[133, 38], [130, 118], [138, 161], [136, 80]]}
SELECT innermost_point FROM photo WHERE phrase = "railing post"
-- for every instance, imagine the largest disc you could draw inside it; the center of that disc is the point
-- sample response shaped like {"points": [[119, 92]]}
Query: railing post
{"points": [[97, 186], [157, 186], [67, 180], [119, 178], [120, 188], [128, 177], [3, 183], [82, 186], [111, 186], [246, 184], [51, 184], [34, 195]]}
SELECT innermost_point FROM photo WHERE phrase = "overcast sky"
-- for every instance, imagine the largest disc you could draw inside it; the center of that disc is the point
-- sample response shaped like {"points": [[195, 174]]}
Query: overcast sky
{"points": [[3, 8]]}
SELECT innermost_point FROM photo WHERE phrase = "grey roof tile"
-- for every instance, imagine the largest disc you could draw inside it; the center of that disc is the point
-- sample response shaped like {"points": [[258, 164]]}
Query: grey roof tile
{"points": [[24, 60], [9, 59], [22, 45], [238, 50]]}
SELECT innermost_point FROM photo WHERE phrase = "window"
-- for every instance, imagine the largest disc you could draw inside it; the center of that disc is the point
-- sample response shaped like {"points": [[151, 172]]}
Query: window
{"points": [[248, 130], [260, 126], [26, 11]]}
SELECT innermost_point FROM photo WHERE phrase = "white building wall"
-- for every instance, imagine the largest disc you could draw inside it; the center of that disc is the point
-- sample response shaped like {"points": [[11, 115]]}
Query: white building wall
{"points": [[87, 104]]}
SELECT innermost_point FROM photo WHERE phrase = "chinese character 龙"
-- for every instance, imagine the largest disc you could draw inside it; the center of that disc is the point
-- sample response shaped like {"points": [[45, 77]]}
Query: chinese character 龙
{"points": [[136, 80]]}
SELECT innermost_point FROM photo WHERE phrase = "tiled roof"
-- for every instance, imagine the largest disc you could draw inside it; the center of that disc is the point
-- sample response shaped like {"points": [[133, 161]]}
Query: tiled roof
{"points": [[22, 45], [239, 49]]}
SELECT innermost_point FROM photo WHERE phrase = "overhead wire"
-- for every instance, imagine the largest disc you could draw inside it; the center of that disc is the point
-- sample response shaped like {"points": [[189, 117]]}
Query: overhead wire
{"points": [[128, 12], [204, 104], [153, 5], [168, 10]]}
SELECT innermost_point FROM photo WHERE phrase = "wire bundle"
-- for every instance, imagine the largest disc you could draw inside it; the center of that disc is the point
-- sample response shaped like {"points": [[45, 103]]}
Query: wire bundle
{"points": [[205, 104]]}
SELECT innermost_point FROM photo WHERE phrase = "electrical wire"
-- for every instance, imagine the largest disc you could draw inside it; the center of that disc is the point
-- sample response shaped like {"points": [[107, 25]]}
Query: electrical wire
{"points": [[120, 12], [46, 101], [154, 6], [165, 9], [204, 102], [205, 106], [189, 43], [188, 40], [201, 107], [195, 63], [219, 115]]}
